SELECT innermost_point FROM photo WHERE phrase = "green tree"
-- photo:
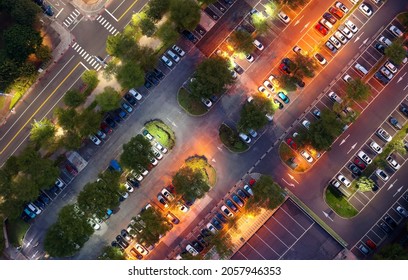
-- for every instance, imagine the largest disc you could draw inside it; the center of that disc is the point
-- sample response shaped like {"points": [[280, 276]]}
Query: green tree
{"points": [[242, 41], [293, 3], [185, 13], [403, 18], [20, 41], [130, 74], [357, 90], [267, 193], [42, 132], [43, 53], [305, 66], [167, 33], [190, 183], [90, 78], [157, 8], [111, 69], [24, 12], [391, 252], [147, 58], [252, 118], [147, 27], [211, 77], [119, 45], [136, 152], [260, 23], [66, 117], [155, 225], [222, 244], [396, 51], [287, 82], [207, 1], [8, 72], [109, 99], [71, 140], [87, 122], [111, 253], [364, 184], [73, 98]]}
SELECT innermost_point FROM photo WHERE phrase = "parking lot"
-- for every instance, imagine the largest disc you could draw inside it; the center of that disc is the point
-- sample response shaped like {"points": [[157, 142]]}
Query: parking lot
{"points": [[289, 234], [378, 232]]}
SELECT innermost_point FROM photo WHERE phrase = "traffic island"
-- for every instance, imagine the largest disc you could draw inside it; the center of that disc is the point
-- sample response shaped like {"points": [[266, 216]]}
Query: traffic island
{"points": [[161, 132], [231, 140], [338, 202], [291, 159], [201, 163], [189, 104]]}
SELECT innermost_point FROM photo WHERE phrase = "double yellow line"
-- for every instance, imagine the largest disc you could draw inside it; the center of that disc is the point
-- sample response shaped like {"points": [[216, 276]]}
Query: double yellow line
{"points": [[39, 108], [127, 10]]}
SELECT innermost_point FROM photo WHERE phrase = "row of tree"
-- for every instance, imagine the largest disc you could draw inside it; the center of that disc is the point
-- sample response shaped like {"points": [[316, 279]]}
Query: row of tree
{"points": [[253, 114]]}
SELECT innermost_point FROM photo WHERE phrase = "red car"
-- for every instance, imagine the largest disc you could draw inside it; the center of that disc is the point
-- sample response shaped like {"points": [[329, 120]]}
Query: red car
{"points": [[284, 68], [359, 163], [105, 128], [371, 244], [252, 182], [71, 170], [321, 29], [291, 143]]}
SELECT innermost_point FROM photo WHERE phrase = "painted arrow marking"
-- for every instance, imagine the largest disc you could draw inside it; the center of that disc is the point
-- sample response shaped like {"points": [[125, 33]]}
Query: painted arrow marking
{"points": [[327, 216], [352, 147], [306, 25], [392, 184], [289, 184], [344, 140], [399, 190], [293, 178], [298, 21]]}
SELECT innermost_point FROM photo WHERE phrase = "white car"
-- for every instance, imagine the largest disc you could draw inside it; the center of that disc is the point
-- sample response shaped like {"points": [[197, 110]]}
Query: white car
{"points": [[167, 61], [343, 180], [354, 1], [207, 102], [191, 250], [142, 250], [135, 94], [364, 157], [385, 41], [34, 208], [174, 56], [384, 135], [258, 45], [249, 57], [306, 124], [156, 153], [226, 211], [283, 17], [143, 171], [95, 139], [320, 58], [391, 67], [335, 42], [94, 224], [178, 50], [393, 163], [153, 161], [163, 201], [346, 32], [272, 78], [342, 7], [167, 194], [375, 147], [269, 86], [387, 73], [129, 187], [351, 26], [212, 228], [401, 210], [245, 138], [396, 31], [59, 183], [341, 37], [333, 96], [306, 156], [347, 78], [182, 207], [381, 173], [160, 148], [365, 9], [263, 91]]}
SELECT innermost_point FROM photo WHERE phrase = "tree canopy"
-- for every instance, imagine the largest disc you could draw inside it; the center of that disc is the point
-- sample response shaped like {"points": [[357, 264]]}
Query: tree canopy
{"points": [[306, 66], [157, 8], [155, 225], [396, 51], [357, 90], [73, 98], [43, 132], [185, 13], [111, 253], [253, 114], [287, 82], [167, 33], [137, 152], [242, 41], [267, 193], [90, 78], [391, 252], [147, 27], [364, 184], [190, 183], [109, 99], [130, 74]]}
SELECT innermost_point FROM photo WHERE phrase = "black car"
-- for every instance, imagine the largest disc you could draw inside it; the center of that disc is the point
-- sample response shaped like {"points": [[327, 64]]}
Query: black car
{"points": [[55, 190], [238, 69], [197, 246], [287, 61], [381, 78], [152, 78], [229, 2], [213, 98], [47, 10], [299, 83], [390, 221], [147, 84], [188, 202], [122, 242], [44, 198], [116, 245], [404, 110], [380, 48], [221, 217], [129, 98], [135, 183], [231, 205], [125, 234], [280, 105], [242, 194], [205, 232], [159, 74], [110, 122], [354, 169], [385, 228], [201, 239], [190, 36], [329, 17], [216, 224], [39, 204]]}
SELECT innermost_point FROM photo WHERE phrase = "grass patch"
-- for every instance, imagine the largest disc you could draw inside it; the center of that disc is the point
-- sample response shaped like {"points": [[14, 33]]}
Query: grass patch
{"points": [[162, 132], [2, 102], [16, 230], [190, 104], [231, 140], [201, 163], [339, 203], [20, 87]]}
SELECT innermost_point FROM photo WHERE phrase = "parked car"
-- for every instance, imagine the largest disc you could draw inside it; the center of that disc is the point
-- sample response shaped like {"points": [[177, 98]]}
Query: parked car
{"points": [[306, 156], [258, 45], [365, 9], [226, 211], [375, 147], [354, 169], [384, 135], [127, 107], [283, 17], [401, 210], [344, 180], [364, 157], [351, 26], [167, 61], [161, 199], [320, 58], [231, 205], [237, 200], [395, 123], [381, 173], [135, 94], [178, 50], [283, 97]]}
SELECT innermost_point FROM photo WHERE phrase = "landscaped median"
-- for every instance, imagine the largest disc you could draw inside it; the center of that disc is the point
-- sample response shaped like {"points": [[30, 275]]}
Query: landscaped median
{"points": [[291, 159], [191, 105], [161, 132], [231, 140], [338, 202]]}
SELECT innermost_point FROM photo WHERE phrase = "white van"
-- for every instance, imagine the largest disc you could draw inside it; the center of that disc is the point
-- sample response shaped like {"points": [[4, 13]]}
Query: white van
{"points": [[360, 68], [326, 23]]}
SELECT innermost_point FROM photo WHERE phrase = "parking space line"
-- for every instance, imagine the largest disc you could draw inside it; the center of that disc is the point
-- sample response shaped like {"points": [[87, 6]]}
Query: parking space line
{"points": [[239, 251], [292, 218], [283, 227], [294, 243], [255, 250], [267, 244], [267, 228]]}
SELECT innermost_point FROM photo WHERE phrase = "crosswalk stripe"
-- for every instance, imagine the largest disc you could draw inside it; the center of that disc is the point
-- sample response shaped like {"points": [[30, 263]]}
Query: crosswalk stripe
{"points": [[98, 17], [80, 48], [71, 18], [65, 24], [87, 55], [117, 32], [93, 63], [110, 29], [107, 24], [97, 68], [114, 31], [89, 58], [81, 52], [76, 12], [77, 46], [74, 44], [103, 21]]}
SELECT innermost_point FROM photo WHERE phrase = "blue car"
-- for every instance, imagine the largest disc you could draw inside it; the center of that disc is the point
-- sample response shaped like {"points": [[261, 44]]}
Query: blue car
{"points": [[216, 224], [284, 97], [231, 205], [29, 213], [121, 113], [221, 217], [44, 198], [127, 107], [237, 200]]}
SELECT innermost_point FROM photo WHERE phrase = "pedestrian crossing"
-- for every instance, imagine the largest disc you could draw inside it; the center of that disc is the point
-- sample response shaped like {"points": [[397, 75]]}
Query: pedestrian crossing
{"points": [[71, 18], [87, 57], [106, 24]]}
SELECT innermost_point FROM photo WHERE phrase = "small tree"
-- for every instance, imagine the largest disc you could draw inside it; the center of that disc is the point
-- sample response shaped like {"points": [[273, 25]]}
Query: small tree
{"points": [[111, 253], [364, 184], [157, 8], [136, 152], [222, 244], [260, 23], [287, 82], [109, 99], [42, 132], [251, 118], [167, 33], [242, 41], [190, 183], [305, 66], [396, 51], [130, 74], [147, 27], [391, 252], [90, 78], [185, 13], [357, 90], [156, 225], [293, 3], [267, 193], [73, 98], [43, 53]]}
